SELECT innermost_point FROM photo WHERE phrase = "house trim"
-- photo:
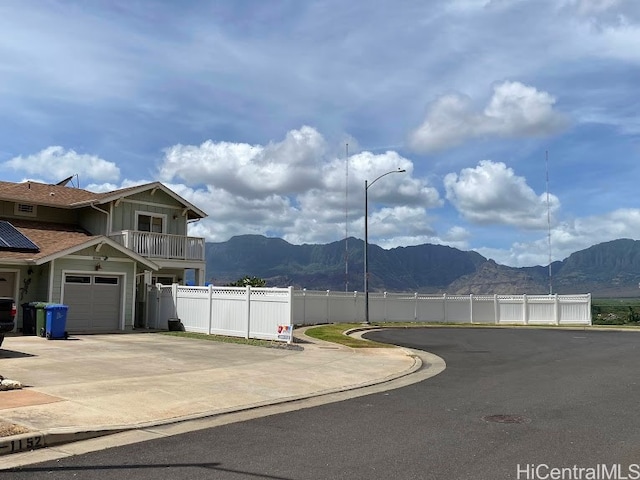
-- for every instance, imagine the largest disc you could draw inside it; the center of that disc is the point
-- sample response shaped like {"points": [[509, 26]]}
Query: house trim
{"points": [[122, 194], [152, 204], [101, 239]]}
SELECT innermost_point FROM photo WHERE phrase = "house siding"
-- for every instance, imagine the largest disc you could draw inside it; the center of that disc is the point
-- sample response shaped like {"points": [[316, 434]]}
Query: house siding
{"points": [[93, 221], [43, 214], [124, 215]]}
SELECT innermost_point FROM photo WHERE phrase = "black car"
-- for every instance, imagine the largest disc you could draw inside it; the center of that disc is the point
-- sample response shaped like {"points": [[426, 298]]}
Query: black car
{"points": [[7, 316]]}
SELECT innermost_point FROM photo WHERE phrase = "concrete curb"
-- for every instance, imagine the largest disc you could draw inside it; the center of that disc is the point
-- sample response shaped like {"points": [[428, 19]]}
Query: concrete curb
{"points": [[36, 440]]}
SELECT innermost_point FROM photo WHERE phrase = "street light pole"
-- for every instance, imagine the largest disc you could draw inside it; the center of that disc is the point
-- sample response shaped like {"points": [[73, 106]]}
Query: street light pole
{"points": [[366, 240]]}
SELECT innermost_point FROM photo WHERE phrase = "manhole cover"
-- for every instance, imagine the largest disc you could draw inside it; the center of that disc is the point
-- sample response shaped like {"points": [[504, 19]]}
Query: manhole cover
{"points": [[506, 419]]}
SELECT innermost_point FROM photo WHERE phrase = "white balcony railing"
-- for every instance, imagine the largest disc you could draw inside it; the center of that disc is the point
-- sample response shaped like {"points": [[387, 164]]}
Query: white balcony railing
{"points": [[161, 245]]}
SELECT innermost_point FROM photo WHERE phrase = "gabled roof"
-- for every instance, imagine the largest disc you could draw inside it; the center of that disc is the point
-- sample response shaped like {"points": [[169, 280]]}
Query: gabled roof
{"points": [[67, 197], [57, 240]]}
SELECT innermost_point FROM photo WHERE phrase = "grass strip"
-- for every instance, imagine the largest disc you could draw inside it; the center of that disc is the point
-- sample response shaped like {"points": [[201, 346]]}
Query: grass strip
{"points": [[335, 333]]}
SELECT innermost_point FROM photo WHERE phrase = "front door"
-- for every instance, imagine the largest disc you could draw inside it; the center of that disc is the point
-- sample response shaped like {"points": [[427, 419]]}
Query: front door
{"points": [[7, 284]]}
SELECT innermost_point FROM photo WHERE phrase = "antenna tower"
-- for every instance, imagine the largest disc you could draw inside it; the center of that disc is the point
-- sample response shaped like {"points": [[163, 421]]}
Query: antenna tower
{"points": [[548, 221], [346, 222]]}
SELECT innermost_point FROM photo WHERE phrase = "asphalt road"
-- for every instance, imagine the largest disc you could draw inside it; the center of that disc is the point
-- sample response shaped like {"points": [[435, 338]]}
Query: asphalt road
{"points": [[574, 395]]}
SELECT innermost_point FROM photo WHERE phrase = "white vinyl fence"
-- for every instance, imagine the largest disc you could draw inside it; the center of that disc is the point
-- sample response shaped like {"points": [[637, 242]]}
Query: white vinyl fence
{"points": [[248, 312], [313, 307], [270, 313]]}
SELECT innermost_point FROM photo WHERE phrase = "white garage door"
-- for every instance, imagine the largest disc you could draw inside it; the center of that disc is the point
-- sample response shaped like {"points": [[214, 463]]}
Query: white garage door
{"points": [[95, 302]]}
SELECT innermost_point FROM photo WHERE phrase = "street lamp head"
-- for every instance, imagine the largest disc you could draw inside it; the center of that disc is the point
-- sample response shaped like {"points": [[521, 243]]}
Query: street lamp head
{"points": [[401, 170]]}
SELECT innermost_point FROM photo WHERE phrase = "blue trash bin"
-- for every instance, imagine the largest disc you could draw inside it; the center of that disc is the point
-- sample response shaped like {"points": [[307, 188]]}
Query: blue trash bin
{"points": [[56, 321]]}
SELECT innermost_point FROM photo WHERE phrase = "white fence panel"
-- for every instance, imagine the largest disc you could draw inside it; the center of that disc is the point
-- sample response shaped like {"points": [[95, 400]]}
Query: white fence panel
{"points": [[483, 309], [347, 306], [229, 314], [542, 311], [431, 309], [573, 310], [165, 308], [314, 307], [193, 304], [399, 307], [510, 309], [269, 308], [458, 309]]}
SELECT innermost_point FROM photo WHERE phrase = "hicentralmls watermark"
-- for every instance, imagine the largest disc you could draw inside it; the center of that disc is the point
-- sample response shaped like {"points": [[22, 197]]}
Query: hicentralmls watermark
{"points": [[601, 471]]}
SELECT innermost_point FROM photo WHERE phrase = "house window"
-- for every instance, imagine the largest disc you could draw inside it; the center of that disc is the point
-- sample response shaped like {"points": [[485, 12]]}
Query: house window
{"points": [[77, 279], [106, 280], [25, 210], [150, 223]]}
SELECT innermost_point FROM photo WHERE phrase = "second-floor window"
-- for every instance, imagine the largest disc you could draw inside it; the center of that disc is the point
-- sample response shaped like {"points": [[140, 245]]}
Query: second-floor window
{"points": [[150, 223]]}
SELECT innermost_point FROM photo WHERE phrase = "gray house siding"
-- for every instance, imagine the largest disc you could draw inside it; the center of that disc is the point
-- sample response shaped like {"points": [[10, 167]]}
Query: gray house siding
{"points": [[42, 214], [93, 221], [124, 215]]}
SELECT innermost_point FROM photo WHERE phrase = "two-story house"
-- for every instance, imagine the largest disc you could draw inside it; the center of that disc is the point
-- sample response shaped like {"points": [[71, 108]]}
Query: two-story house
{"points": [[95, 252]]}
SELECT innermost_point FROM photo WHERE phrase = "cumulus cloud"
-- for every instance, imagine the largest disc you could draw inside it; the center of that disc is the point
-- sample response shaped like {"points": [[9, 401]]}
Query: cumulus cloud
{"points": [[244, 169], [514, 110], [491, 193], [567, 237], [55, 163], [296, 189]]}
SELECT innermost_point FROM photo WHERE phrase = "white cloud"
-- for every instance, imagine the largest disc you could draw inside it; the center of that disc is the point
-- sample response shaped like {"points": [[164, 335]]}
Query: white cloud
{"points": [[514, 110], [108, 187], [291, 165], [296, 189], [568, 237], [491, 193], [55, 163]]}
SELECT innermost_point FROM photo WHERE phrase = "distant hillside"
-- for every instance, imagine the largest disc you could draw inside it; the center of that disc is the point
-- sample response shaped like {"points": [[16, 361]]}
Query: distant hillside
{"points": [[607, 269]]}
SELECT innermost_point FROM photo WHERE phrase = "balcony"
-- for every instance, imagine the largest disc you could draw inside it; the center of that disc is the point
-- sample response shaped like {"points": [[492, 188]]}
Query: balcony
{"points": [[161, 245]]}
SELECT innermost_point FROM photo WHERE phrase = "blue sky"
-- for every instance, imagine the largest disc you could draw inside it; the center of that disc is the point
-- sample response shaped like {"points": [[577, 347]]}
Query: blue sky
{"points": [[245, 108]]}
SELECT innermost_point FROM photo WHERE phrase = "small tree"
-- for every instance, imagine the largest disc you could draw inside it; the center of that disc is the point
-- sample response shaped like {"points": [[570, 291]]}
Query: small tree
{"points": [[248, 281]]}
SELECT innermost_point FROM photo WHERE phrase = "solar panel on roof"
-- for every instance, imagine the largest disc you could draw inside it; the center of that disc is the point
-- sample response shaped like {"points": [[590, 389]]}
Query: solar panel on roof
{"points": [[12, 239]]}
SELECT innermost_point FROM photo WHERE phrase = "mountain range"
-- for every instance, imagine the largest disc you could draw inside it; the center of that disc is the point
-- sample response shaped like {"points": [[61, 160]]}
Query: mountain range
{"points": [[610, 269]]}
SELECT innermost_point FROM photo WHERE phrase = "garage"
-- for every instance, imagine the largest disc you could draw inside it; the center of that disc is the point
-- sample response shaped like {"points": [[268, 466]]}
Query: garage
{"points": [[95, 302]]}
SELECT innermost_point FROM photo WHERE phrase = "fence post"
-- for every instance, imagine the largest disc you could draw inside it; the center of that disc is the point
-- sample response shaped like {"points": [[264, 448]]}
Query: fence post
{"points": [[304, 306], [589, 316], [386, 308], [210, 308], [525, 309], [471, 307], [328, 307], [415, 307], [496, 309], [174, 294], [355, 305], [444, 308], [290, 314], [556, 309], [158, 293], [248, 302]]}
